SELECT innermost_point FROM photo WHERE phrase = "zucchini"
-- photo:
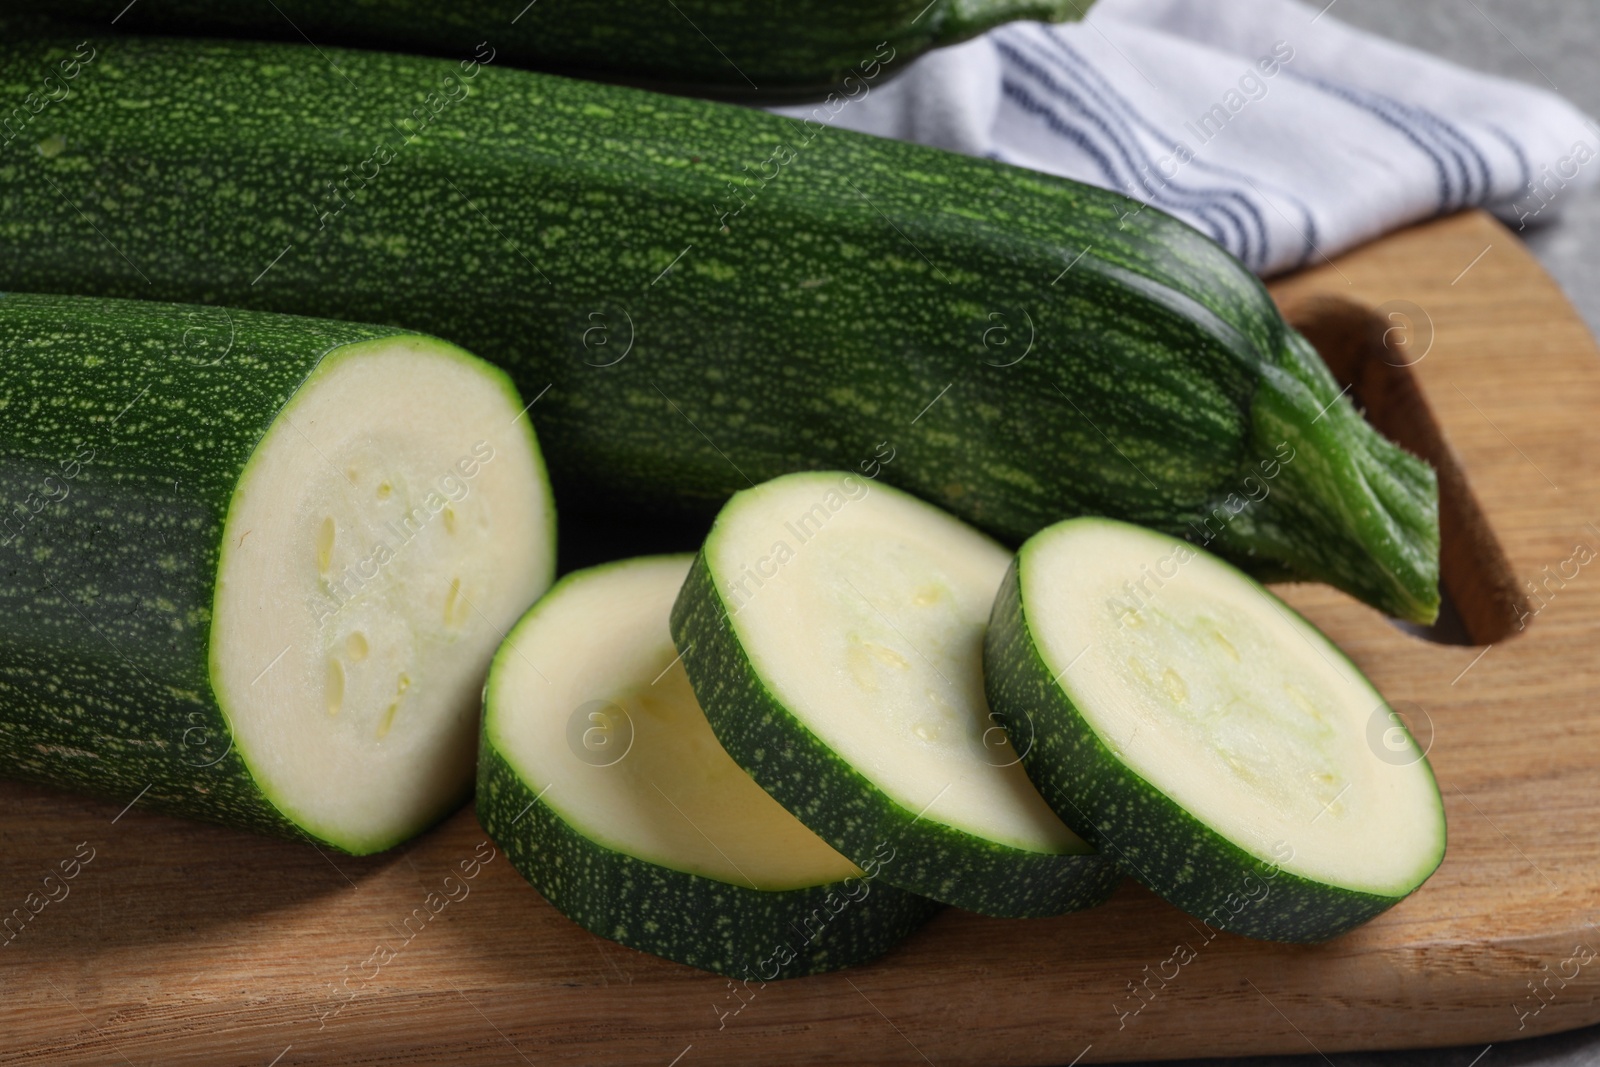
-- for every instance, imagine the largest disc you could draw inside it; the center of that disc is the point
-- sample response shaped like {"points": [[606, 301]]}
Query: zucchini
{"points": [[602, 781], [745, 48], [833, 630], [714, 296], [253, 567], [1207, 737]]}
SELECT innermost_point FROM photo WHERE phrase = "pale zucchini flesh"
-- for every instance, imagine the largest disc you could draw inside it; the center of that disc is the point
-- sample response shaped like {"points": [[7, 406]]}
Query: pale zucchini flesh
{"points": [[603, 781], [1205, 734], [833, 629], [390, 527]]}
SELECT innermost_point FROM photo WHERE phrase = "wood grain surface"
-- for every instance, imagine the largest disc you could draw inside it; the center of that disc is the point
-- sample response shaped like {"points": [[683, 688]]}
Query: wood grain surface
{"points": [[186, 944]]}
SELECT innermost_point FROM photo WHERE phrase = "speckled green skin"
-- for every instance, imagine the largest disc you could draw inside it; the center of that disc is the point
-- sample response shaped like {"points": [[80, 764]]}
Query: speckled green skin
{"points": [[857, 300], [1160, 844], [703, 922], [841, 806], [117, 422], [751, 48]]}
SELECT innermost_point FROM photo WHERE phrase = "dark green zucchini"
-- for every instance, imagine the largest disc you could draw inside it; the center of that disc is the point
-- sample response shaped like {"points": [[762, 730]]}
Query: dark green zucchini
{"points": [[253, 567], [715, 296], [745, 48]]}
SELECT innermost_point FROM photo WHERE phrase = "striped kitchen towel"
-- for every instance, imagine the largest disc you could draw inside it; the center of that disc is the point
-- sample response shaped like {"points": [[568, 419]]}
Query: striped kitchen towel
{"points": [[1282, 133]]}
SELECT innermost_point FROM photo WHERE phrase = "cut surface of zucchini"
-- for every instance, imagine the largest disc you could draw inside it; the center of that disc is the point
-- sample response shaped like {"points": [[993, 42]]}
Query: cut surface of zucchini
{"points": [[392, 523], [603, 781], [1203, 733], [833, 630]]}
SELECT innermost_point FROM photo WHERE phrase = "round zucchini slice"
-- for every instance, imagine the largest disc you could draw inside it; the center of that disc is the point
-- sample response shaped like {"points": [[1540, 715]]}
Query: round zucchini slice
{"points": [[1206, 736], [833, 630], [601, 779]]}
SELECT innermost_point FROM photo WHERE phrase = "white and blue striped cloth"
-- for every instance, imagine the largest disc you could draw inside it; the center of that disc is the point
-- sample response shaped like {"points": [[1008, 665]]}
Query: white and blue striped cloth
{"points": [[1282, 133]]}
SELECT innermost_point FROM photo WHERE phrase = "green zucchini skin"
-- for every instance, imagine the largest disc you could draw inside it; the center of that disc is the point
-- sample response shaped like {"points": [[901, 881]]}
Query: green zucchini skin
{"points": [[716, 296], [749, 933], [839, 805], [736, 47], [1154, 839], [127, 431]]}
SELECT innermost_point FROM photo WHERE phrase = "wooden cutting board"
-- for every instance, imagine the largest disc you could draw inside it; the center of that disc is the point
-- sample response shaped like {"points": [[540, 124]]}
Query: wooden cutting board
{"points": [[186, 944]]}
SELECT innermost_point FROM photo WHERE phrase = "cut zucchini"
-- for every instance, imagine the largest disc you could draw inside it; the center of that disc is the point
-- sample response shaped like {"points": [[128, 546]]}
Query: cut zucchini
{"points": [[270, 561], [601, 779], [833, 631], [1206, 736]]}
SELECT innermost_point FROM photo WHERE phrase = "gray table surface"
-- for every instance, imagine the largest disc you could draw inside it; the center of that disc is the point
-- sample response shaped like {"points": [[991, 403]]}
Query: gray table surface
{"points": [[1548, 43], [1551, 44]]}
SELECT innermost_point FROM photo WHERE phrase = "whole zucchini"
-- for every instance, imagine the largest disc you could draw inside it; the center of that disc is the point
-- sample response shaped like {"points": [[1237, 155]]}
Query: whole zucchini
{"points": [[746, 48], [253, 567], [714, 296]]}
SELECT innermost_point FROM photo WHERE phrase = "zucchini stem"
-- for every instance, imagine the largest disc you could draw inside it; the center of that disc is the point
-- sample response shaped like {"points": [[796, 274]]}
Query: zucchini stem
{"points": [[1341, 491], [958, 20]]}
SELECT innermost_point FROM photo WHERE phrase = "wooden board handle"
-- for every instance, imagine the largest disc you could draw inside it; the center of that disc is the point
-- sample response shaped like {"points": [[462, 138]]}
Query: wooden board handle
{"points": [[1372, 352]]}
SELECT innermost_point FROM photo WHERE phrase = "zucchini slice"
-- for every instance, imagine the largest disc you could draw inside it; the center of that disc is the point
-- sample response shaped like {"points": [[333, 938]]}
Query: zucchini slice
{"points": [[1206, 736], [601, 779], [833, 630], [256, 565]]}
